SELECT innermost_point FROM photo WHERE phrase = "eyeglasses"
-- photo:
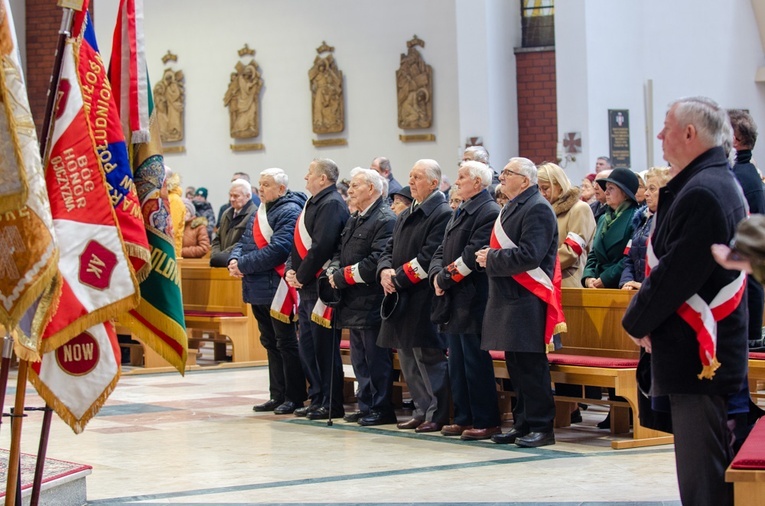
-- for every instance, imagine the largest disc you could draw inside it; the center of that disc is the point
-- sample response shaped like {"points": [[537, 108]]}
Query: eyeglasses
{"points": [[508, 173]]}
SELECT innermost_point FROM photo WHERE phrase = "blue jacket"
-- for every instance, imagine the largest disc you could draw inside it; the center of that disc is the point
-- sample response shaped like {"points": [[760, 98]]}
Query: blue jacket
{"points": [[634, 264], [257, 265]]}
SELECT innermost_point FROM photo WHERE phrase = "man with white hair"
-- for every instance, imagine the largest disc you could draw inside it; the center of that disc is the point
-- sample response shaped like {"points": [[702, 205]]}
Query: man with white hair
{"points": [[523, 312], [353, 271], [480, 154], [403, 273], [233, 222], [690, 312], [461, 295], [259, 258]]}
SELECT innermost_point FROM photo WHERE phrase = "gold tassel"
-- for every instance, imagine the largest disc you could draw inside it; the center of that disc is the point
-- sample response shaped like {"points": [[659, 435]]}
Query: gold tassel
{"points": [[320, 320], [708, 371], [276, 315]]}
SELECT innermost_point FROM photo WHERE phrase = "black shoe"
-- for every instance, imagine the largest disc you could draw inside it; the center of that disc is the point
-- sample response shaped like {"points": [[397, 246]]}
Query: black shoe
{"points": [[508, 437], [605, 424], [576, 416], [355, 416], [378, 418], [285, 408], [536, 439], [306, 409], [269, 405], [323, 414], [408, 404]]}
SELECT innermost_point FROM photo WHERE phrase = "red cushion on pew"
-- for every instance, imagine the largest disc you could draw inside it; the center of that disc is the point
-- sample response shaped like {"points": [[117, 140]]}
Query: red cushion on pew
{"points": [[757, 355], [211, 315], [345, 345], [752, 453], [587, 361], [497, 355]]}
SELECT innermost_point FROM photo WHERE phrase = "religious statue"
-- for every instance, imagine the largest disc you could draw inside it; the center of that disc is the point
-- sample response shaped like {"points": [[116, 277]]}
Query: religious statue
{"points": [[169, 100], [327, 96], [414, 80], [242, 98]]}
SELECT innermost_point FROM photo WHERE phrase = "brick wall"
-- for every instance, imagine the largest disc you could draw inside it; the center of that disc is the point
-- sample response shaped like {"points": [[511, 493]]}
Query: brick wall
{"points": [[537, 105], [42, 23]]}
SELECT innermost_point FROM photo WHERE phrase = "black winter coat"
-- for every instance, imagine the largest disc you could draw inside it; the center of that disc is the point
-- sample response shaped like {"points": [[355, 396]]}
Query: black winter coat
{"points": [[515, 317], [468, 231], [750, 181], [699, 207], [416, 235], [325, 217], [257, 265], [362, 243]]}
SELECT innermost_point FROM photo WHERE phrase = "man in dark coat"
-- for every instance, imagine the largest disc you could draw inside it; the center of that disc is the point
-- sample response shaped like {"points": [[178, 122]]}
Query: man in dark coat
{"points": [[403, 270], [461, 295], [699, 207], [316, 238], [516, 318], [382, 166], [744, 139], [233, 222], [259, 258], [353, 271]]}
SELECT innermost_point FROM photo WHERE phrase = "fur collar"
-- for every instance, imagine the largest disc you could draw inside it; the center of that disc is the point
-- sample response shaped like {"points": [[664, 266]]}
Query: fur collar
{"points": [[566, 201]]}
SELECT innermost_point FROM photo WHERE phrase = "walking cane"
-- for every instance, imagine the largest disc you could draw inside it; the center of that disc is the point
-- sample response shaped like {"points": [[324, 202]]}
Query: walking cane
{"points": [[332, 372]]}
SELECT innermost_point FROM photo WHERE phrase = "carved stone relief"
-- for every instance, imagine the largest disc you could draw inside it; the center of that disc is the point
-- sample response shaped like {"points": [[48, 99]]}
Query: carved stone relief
{"points": [[327, 95], [414, 80], [170, 101], [243, 97]]}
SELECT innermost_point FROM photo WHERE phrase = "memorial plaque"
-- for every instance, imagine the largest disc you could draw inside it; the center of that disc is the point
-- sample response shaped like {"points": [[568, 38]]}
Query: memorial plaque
{"points": [[619, 137]]}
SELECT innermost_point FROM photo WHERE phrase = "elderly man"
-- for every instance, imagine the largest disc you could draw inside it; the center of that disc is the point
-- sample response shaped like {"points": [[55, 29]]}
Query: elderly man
{"points": [[480, 154], [599, 206], [233, 222], [353, 271], [317, 236], [461, 294], [524, 300], [697, 363], [224, 207], [403, 272], [259, 259], [381, 165]]}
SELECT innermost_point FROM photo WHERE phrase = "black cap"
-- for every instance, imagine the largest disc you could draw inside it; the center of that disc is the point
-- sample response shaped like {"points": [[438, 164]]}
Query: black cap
{"points": [[392, 305], [404, 192], [625, 179], [327, 294]]}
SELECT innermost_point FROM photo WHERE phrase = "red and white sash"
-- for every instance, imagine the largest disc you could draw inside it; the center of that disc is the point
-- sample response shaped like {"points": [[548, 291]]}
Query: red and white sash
{"points": [[321, 314], [703, 317], [286, 298], [537, 282]]}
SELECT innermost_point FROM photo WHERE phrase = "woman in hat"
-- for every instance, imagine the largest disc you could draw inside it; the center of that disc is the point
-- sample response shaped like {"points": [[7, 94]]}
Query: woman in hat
{"points": [[196, 242], [605, 261]]}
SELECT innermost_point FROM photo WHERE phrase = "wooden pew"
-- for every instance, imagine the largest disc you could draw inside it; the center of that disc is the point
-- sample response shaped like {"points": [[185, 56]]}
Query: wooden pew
{"points": [[756, 373], [212, 301], [747, 471]]}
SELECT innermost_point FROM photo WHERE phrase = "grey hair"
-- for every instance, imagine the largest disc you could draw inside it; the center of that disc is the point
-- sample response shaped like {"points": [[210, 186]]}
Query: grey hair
{"points": [[241, 183], [370, 177], [526, 167], [386, 187], [706, 116], [278, 175], [242, 175], [383, 163], [432, 169], [478, 170], [328, 168], [477, 153]]}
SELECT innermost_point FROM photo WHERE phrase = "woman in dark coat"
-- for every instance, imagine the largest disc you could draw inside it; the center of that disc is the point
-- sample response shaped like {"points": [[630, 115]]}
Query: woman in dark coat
{"points": [[605, 262]]}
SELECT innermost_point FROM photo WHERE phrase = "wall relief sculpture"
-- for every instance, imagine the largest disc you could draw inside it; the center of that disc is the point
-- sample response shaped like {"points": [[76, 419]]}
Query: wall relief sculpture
{"points": [[414, 80], [327, 95], [243, 97], [170, 100]]}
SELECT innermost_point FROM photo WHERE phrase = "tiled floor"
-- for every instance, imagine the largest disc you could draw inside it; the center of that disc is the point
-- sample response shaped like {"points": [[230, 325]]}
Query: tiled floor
{"points": [[167, 439]]}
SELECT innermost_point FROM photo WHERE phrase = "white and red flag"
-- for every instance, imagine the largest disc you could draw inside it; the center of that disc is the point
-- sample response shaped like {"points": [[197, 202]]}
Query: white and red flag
{"points": [[98, 281], [321, 313], [76, 378]]}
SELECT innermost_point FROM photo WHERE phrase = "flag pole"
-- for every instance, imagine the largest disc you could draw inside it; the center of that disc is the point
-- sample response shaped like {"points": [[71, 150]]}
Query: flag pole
{"points": [[14, 457], [5, 366], [42, 451]]}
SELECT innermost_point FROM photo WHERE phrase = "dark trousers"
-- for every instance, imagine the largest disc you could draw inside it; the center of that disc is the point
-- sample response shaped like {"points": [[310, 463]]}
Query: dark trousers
{"points": [[317, 346], [535, 407], [373, 367], [702, 448], [286, 381], [471, 375]]}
